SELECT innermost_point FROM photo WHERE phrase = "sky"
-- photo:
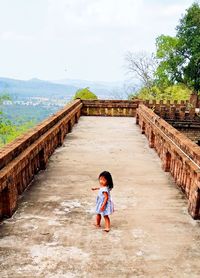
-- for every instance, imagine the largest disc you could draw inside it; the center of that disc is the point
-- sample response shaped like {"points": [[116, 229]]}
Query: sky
{"points": [[80, 39]]}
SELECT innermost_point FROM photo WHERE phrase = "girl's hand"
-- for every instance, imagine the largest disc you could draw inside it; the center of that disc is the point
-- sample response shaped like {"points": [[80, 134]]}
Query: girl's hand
{"points": [[94, 188], [102, 208], [105, 201]]}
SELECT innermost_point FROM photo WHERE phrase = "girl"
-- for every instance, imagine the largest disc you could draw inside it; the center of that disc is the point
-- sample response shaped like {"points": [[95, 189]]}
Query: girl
{"points": [[104, 204]]}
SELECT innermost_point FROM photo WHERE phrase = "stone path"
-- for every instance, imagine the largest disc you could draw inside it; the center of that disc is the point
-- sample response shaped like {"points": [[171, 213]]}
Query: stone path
{"points": [[51, 234]]}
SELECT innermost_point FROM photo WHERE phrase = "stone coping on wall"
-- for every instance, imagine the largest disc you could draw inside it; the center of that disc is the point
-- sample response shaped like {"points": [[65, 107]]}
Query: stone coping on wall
{"points": [[110, 103]]}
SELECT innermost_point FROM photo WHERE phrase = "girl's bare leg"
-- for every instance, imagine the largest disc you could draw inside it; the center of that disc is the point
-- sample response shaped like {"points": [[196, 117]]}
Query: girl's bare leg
{"points": [[107, 223], [98, 220]]}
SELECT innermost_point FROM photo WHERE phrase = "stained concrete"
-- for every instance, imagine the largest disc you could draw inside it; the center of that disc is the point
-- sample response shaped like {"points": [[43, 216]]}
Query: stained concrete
{"points": [[51, 234]]}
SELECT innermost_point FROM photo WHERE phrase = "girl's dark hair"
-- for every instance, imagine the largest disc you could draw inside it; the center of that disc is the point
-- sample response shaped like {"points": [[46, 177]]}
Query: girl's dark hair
{"points": [[108, 177]]}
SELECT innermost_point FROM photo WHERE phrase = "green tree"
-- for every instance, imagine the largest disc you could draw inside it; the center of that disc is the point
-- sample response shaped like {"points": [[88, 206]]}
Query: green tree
{"points": [[179, 56], [84, 93], [188, 33], [8, 130], [172, 92], [4, 97], [168, 70]]}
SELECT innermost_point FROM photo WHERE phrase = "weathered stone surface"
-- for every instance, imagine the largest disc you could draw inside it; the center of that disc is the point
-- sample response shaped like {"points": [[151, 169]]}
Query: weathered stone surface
{"points": [[51, 234]]}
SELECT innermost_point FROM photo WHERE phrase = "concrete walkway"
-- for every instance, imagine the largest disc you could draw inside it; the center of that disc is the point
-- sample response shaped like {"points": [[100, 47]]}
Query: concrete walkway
{"points": [[51, 234]]}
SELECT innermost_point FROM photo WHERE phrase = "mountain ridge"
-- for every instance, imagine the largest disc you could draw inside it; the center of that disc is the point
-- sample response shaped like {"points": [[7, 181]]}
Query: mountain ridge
{"points": [[17, 88]]}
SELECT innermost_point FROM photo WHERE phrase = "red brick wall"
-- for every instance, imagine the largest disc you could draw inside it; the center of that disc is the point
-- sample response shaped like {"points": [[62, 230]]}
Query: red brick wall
{"points": [[180, 156], [28, 154], [182, 110], [125, 108]]}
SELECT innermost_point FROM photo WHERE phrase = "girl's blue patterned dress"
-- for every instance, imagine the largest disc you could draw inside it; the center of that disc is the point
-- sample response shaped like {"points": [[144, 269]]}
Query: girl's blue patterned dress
{"points": [[109, 207]]}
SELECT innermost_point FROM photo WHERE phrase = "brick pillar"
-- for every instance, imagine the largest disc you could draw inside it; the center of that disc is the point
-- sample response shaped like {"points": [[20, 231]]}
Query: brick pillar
{"points": [[182, 113], [194, 100], [152, 140], [8, 198], [137, 119], [76, 118], [194, 204], [167, 110], [197, 206], [192, 113], [69, 126], [167, 162], [60, 136], [42, 160], [172, 112], [194, 195], [162, 111], [143, 128]]}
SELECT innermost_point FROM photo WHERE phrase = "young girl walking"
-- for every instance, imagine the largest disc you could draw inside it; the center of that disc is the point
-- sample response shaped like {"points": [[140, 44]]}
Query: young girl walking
{"points": [[104, 204]]}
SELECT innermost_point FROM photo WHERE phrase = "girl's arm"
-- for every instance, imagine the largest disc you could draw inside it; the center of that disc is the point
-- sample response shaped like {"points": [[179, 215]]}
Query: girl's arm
{"points": [[95, 188], [105, 201]]}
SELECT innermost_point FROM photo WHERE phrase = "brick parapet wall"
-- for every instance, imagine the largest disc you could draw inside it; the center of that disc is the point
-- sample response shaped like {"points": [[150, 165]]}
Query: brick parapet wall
{"points": [[23, 158], [13, 149], [181, 111], [180, 156], [116, 108], [28, 154], [175, 110]]}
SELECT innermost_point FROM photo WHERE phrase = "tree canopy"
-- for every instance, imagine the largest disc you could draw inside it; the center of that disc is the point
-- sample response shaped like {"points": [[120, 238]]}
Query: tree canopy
{"points": [[8, 130], [179, 56], [84, 93], [172, 92]]}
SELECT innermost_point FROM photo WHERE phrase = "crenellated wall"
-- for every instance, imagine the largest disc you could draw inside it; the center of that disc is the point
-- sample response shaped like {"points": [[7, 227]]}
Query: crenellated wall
{"points": [[174, 111], [180, 156], [28, 154]]}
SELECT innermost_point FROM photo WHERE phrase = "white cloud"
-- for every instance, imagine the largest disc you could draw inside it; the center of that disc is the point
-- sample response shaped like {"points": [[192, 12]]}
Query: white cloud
{"points": [[88, 36], [11, 36], [88, 16]]}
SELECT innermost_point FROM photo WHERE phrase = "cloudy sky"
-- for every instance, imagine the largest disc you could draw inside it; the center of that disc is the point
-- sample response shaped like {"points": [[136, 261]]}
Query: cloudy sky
{"points": [[80, 39]]}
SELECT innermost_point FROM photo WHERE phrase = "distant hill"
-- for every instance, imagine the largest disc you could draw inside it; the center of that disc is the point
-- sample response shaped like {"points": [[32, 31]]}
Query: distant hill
{"points": [[19, 89], [35, 87], [35, 99], [102, 89]]}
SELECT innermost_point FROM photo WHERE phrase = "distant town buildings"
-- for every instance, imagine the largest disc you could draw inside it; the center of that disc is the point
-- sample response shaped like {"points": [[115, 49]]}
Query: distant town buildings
{"points": [[39, 101]]}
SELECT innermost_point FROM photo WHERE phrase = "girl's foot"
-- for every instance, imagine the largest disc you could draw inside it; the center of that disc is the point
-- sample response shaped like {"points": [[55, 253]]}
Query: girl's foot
{"points": [[106, 230], [97, 225]]}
